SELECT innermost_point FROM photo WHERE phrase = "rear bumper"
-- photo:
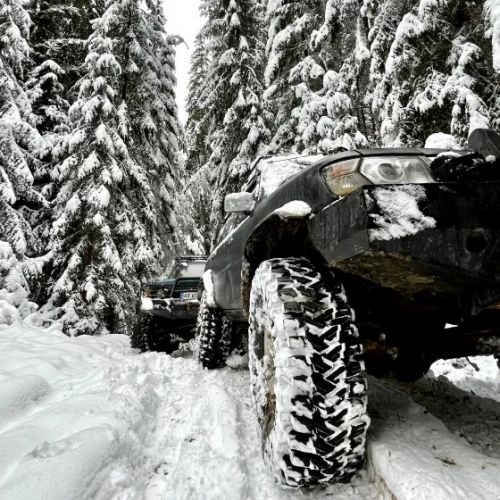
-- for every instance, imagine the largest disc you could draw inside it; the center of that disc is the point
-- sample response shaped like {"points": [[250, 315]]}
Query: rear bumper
{"points": [[415, 238]]}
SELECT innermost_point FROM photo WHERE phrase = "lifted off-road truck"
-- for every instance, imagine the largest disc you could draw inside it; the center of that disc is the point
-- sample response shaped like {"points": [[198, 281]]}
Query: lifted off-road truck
{"points": [[381, 260], [169, 307]]}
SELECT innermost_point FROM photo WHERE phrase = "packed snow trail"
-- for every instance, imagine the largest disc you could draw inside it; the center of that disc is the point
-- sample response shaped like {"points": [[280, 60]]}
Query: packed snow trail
{"points": [[90, 418], [206, 442]]}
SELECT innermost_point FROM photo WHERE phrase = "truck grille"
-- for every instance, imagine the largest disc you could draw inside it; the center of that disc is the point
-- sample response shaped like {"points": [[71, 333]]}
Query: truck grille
{"points": [[160, 291]]}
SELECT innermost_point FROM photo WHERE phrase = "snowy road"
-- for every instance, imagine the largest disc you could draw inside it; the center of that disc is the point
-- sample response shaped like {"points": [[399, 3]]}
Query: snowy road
{"points": [[89, 418]]}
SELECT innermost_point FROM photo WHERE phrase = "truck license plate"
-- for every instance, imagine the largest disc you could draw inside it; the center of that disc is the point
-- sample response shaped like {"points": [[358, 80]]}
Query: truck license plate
{"points": [[189, 295]]}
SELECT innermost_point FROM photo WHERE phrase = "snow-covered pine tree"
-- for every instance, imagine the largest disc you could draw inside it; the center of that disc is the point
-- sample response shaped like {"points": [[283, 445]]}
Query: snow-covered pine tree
{"points": [[20, 149], [326, 118], [492, 20], [288, 49], [237, 127], [155, 133], [198, 120], [50, 22], [192, 209], [58, 35], [117, 177], [59, 31], [175, 203], [198, 125], [436, 76]]}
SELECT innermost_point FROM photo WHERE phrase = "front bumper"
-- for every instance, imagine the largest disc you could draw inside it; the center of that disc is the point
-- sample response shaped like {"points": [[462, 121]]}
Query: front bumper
{"points": [[173, 308], [441, 237]]}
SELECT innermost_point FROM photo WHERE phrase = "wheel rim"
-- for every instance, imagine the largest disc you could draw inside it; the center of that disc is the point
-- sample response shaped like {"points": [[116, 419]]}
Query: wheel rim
{"points": [[270, 376]]}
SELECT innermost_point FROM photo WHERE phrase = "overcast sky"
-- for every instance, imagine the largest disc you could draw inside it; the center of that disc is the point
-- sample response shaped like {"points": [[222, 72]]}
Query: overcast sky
{"points": [[183, 19]]}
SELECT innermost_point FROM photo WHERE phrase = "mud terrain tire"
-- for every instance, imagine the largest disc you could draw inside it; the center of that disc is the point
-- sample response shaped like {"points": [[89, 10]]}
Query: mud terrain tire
{"points": [[308, 385], [152, 334], [213, 336]]}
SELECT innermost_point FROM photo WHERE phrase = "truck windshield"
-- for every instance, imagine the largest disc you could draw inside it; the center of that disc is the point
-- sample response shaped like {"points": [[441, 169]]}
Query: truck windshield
{"points": [[278, 169], [190, 269]]}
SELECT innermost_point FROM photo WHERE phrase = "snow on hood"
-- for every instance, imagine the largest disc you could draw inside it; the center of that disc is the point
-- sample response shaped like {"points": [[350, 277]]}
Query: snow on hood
{"points": [[477, 374]]}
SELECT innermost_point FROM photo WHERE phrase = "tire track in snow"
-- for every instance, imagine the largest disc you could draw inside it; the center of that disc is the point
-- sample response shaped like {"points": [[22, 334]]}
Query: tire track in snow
{"points": [[206, 444], [201, 443], [197, 437]]}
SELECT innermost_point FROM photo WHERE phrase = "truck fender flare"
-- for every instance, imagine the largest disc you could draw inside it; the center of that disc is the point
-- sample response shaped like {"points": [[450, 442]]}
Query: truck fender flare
{"points": [[283, 233]]}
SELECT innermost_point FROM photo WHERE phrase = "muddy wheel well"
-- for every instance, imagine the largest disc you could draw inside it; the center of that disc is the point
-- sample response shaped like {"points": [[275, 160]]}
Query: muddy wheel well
{"points": [[276, 237]]}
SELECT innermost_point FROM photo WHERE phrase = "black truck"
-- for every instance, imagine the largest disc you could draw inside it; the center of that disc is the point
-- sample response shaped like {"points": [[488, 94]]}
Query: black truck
{"points": [[377, 260], [169, 307]]}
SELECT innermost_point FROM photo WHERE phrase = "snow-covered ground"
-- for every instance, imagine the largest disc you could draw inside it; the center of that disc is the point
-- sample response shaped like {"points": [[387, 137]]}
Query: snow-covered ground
{"points": [[89, 417]]}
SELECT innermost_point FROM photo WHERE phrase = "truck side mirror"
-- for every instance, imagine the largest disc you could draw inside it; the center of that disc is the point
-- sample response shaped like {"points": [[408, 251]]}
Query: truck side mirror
{"points": [[239, 202]]}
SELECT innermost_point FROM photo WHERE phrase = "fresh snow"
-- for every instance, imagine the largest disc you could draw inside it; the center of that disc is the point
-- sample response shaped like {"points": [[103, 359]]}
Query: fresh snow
{"points": [[91, 418], [478, 374], [492, 9], [418, 457], [208, 286], [294, 209], [400, 214], [441, 141], [88, 417]]}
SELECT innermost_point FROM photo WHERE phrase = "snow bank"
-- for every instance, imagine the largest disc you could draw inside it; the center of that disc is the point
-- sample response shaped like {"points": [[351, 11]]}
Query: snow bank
{"points": [[399, 214], [418, 458], [478, 374], [73, 417]]}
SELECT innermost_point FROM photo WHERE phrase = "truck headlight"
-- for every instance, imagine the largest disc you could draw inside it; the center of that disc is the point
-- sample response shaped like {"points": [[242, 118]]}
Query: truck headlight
{"points": [[343, 178], [394, 170], [346, 176]]}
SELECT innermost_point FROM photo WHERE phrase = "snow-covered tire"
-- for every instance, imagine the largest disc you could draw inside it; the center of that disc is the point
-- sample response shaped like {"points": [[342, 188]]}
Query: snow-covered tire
{"points": [[307, 375], [152, 334], [213, 336]]}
